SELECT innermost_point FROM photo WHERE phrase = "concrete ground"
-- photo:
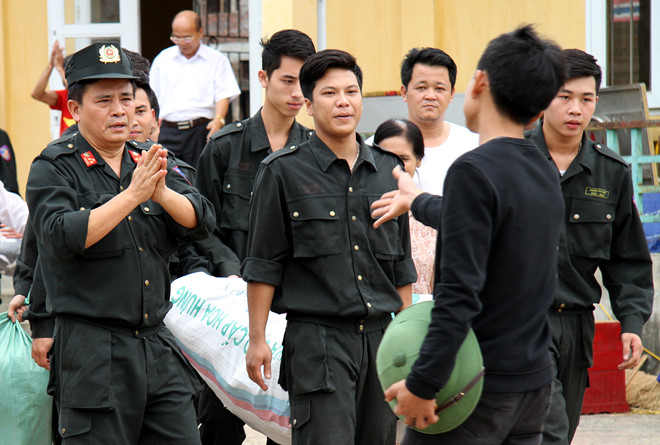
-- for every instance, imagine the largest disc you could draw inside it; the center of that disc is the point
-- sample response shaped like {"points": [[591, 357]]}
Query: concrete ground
{"points": [[594, 429]]}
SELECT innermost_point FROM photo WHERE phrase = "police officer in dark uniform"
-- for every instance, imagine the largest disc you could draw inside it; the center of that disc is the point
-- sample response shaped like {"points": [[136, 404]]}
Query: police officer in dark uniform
{"points": [[601, 229], [107, 215], [225, 175], [313, 253]]}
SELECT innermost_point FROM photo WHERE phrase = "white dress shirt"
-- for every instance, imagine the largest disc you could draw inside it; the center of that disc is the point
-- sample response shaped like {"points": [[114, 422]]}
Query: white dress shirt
{"points": [[189, 88]]}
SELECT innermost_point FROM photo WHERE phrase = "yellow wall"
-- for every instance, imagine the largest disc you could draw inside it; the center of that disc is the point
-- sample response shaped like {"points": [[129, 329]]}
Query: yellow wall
{"points": [[380, 32], [465, 35], [23, 56]]}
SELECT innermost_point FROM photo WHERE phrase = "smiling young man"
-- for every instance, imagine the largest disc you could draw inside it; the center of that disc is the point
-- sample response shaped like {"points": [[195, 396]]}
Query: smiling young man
{"points": [[107, 214], [601, 230], [225, 175], [313, 255]]}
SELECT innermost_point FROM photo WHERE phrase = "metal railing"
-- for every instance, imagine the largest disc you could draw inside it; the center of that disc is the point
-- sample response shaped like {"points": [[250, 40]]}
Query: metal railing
{"points": [[637, 158]]}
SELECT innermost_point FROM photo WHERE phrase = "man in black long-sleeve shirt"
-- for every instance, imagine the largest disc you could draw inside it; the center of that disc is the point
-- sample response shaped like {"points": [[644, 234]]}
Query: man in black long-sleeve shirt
{"points": [[496, 254]]}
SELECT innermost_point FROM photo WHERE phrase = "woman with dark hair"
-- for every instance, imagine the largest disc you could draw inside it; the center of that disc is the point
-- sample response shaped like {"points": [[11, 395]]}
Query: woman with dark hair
{"points": [[403, 138]]}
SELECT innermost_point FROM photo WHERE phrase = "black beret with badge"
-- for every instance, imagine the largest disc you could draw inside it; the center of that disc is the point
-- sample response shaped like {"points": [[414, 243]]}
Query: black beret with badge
{"points": [[101, 60]]}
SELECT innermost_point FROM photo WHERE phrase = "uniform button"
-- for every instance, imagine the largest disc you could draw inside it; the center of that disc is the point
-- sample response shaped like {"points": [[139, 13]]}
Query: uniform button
{"points": [[558, 248], [563, 305], [82, 208], [292, 147], [332, 213], [228, 186], [130, 218], [70, 145], [359, 277], [121, 187], [294, 421], [239, 125], [576, 216], [608, 216], [559, 310], [146, 209], [141, 249], [146, 316], [296, 214], [64, 429], [353, 218], [350, 189], [137, 333], [368, 304], [361, 327], [356, 247], [146, 282], [598, 146]]}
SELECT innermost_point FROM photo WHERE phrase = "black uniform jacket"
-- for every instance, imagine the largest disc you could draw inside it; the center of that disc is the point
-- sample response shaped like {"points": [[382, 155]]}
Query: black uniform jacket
{"points": [[601, 229], [311, 233], [225, 175], [123, 279]]}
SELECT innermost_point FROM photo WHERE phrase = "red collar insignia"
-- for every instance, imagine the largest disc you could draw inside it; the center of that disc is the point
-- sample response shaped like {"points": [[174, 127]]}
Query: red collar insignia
{"points": [[134, 155], [88, 158]]}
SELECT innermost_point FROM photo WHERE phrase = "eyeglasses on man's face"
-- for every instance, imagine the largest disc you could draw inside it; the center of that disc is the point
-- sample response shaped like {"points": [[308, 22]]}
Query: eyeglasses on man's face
{"points": [[185, 39]]}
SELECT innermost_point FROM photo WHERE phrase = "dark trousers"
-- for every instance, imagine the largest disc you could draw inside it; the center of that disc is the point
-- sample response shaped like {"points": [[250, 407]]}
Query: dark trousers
{"points": [[334, 391], [498, 419], [187, 145], [119, 389], [572, 336]]}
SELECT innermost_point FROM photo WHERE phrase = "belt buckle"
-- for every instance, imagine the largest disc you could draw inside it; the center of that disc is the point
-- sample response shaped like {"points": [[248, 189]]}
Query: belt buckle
{"points": [[184, 125]]}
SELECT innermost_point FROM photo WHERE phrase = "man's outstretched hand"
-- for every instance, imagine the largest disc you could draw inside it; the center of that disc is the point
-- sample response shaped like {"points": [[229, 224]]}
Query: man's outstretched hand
{"points": [[396, 202]]}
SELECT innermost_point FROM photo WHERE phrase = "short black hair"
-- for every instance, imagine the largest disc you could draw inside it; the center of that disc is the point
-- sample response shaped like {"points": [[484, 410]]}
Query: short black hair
{"points": [[405, 128], [288, 42], [151, 96], [140, 66], [318, 64], [581, 64], [76, 91], [524, 73], [427, 56]]}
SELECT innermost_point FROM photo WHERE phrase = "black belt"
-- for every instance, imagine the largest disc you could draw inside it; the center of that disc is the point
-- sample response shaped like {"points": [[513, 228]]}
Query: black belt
{"points": [[575, 310], [140, 331], [186, 125], [361, 325]]}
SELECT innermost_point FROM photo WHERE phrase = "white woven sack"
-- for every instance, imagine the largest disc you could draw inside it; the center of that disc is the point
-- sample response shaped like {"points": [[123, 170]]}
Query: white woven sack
{"points": [[209, 319]]}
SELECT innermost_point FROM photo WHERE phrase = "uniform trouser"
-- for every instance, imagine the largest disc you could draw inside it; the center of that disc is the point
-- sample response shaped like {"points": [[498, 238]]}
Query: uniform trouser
{"points": [[498, 419], [334, 391], [187, 145], [572, 335], [218, 426], [113, 388]]}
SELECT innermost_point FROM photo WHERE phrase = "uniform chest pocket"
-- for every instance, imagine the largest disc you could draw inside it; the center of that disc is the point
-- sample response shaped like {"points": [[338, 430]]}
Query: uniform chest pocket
{"points": [[237, 192], [589, 229], [385, 240], [110, 246], [316, 227]]}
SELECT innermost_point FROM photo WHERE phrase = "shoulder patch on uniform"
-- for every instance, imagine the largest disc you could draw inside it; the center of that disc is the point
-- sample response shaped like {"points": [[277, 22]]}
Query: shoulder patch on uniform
{"points": [[606, 151], [281, 152], [58, 147], [234, 127], [5, 153]]}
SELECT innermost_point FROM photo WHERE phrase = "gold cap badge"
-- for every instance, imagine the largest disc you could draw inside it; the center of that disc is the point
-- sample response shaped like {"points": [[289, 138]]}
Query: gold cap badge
{"points": [[109, 54]]}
